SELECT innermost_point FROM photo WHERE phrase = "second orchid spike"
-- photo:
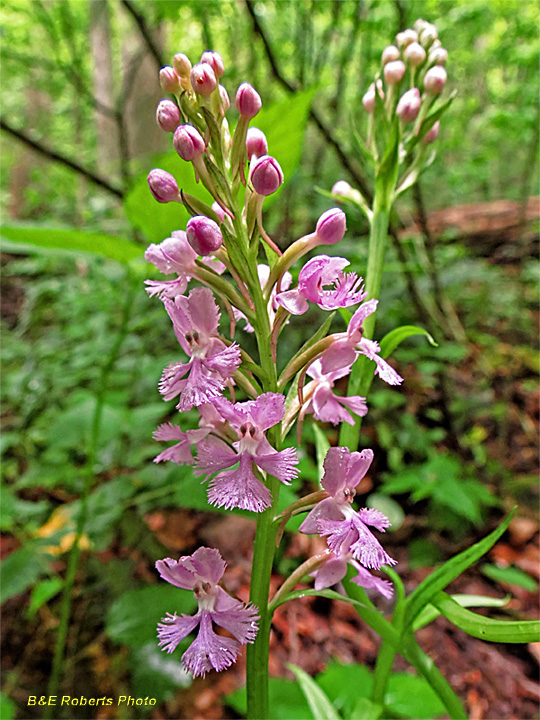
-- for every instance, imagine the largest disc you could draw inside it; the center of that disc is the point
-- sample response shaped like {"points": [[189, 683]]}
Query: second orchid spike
{"points": [[203, 235]]}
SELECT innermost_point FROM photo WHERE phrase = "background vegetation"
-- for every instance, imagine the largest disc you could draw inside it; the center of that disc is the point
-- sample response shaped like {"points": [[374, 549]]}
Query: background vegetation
{"points": [[83, 346]]}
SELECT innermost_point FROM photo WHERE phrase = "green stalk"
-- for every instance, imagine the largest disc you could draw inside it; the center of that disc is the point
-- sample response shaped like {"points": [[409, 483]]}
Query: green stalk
{"points": [[75, 551], [362, 371], [387, 652]]}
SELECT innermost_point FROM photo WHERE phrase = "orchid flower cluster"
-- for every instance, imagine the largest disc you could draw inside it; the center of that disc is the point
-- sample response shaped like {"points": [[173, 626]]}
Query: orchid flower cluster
{"points": [[245, 408]]}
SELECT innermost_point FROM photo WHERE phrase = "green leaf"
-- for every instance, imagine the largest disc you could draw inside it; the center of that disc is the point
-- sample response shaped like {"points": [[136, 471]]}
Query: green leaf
{"points": [[411, 696], [319, 704], [319, 335], [7, 707], [20, 570], [345, 685], [509, 631], [389, 507], [285, 699], [37, 239], [42, 593], [395, 337], [451, 569], [157, 674], [133, 618], [510, 576], [366, 710], [431, 613], [322, 446]]}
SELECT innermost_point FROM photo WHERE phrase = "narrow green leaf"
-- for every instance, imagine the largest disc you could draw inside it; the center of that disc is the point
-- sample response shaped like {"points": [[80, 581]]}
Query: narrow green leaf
{"points": [[7, 707], [510, 576], [509, 631], [38, 239], [395, 337], [366, 710], [42, 593], [431, 613], [318, 702], [322, 446], [451, 569]]}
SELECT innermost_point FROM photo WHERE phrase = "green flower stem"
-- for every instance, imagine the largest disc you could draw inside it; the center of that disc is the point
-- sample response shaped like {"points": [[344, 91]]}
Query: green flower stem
{"points": [[387, 652], [75, 551], [361, 375]]}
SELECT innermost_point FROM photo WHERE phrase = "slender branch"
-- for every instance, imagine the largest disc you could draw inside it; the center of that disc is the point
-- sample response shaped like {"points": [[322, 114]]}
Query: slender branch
{"points": [[140, 21], [62, 159]]}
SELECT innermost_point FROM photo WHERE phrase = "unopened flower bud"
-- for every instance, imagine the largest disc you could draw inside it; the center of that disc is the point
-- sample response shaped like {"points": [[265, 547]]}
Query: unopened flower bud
{"points": [[256, 143], [436, 44], [220, 212], [203, 235], [215, 61], [248, 100], [182, 65], [368, 101], [331, 226], [409, 105], [394, 72], [168, 115], [435, 80], [224, 95], [169, 80], [432, 135], [428, 35], [266, 175], [415, 54], [406, 38], [390, 54], [342, 187], [203, 79], [438, 56], [419, 25], [163, 186], [188, 142]]}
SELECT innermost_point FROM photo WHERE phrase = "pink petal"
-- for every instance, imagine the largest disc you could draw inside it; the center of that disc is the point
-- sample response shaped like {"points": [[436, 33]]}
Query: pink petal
{"points": [[293, 302], [327, 509], [360, 315], [209, 650], [385, 371], [330, 573], [359, 463], [339, 534], [208, 564], [178, 573], [239, 488], [356, 403], [225, 362], [336, 468], [375, 518], [214, 455], [281, 465], [167, 288], [267, 410], [368, 550], [171, 383], [173, 629], [341, 354], [366, 580], [179, 454], [203, 310], [168, 431]]}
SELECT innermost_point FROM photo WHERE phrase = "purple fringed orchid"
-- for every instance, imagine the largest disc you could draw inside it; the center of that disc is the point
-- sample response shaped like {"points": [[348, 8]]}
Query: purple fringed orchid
{"points": [[335, 568], [345, 528], [195, 320], [325, 405], [343, 352], [317, 273], [175, 255], [242, 486], [201, 572]]}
